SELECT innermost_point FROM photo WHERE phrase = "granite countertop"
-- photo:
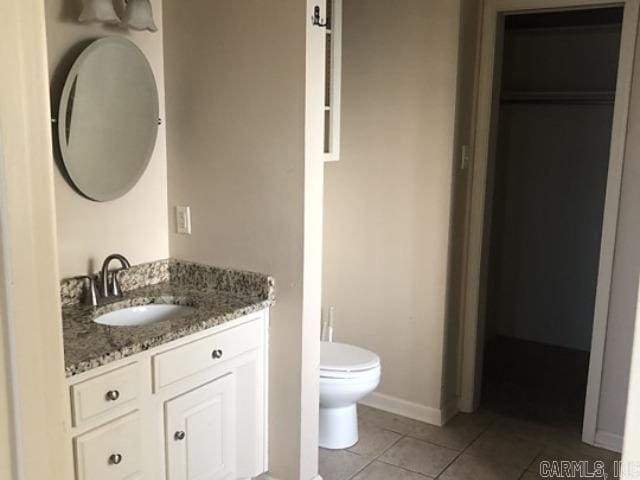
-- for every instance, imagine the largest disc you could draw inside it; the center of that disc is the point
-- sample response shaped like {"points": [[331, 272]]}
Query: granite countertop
{"points": [[218, 296]]}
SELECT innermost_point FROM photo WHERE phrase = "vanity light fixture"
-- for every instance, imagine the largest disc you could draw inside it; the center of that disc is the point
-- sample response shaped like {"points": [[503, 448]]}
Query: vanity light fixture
{"points": [[98, 11], [139, 15]]}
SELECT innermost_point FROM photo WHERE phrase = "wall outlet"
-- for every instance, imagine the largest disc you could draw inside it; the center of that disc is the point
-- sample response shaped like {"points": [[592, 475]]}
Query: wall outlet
{"points": [[183, 220]]}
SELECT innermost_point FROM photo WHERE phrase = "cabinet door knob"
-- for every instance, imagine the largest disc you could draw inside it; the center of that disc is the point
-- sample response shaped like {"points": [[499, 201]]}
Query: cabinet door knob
{"points": [[113, 395], [115, 459], [216, 354], [180, 435]]}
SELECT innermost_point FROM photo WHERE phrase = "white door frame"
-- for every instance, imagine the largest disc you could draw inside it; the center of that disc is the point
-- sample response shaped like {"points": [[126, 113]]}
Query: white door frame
{"points": [[36, 390], [472, 296], [631, 443]]}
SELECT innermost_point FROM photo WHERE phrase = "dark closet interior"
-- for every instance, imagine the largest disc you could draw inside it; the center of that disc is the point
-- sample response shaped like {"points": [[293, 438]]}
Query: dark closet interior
{"points": [[557, 81]]}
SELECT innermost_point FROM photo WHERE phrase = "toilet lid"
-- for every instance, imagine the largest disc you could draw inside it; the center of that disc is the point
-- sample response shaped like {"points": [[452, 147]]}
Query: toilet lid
{"points": [[340, 357]]}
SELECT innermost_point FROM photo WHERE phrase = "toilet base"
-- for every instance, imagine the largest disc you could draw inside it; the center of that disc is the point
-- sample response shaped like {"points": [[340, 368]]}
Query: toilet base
{"points": [[338, 427]]}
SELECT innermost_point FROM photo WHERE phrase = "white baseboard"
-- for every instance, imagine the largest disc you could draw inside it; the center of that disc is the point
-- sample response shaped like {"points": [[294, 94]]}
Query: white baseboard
{"points": [[608, 440], [449, 410], [266, 476], [405, 408]]}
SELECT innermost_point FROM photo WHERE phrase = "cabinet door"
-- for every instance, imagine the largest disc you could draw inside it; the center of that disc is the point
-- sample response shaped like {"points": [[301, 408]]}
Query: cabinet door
{"points": [[200, 432]]}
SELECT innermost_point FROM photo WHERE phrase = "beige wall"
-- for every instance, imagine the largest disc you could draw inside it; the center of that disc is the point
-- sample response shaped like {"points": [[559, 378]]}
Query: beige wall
{"points": [[136, 224], [388, 201], [235, 75]]}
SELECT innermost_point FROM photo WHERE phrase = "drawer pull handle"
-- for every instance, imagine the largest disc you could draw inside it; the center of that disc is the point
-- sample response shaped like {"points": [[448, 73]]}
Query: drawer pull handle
{"points": [[113, 395], [216, 354], [115, 459], [180, 435]]}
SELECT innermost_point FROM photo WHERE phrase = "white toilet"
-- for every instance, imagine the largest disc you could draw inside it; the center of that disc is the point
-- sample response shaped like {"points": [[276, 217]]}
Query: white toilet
{"points": [[347, 374]]}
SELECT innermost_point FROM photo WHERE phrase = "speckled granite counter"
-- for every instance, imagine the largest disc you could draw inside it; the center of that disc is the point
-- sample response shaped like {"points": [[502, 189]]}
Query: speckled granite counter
{"points": [[218, 296]]}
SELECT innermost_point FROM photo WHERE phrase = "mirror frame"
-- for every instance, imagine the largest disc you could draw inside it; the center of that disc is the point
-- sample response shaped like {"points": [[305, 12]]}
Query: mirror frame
{"points": [[63, 110]]}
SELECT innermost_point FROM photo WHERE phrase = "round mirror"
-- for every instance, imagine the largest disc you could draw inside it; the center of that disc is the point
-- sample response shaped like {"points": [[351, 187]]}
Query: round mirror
{"points": [[108, 119]]}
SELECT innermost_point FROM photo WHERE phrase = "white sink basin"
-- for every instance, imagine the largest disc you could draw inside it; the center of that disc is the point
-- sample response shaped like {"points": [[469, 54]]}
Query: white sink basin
{"points": [[143, 315]]}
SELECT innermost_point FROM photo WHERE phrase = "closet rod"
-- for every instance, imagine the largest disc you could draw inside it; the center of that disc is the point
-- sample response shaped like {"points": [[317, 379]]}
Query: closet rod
{"points": [[559, 98]]}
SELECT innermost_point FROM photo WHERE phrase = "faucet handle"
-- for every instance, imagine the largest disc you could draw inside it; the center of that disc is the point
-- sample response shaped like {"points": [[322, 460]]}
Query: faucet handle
{"points": [[91, 291]]}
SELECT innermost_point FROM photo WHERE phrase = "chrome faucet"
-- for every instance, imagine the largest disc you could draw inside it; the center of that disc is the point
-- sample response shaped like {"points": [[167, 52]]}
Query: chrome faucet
{"points": [[115, 290], [110, 289]]}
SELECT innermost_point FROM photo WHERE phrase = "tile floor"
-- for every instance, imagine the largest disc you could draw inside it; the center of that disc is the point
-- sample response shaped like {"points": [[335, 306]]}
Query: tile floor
{"points": [[479, 446]]}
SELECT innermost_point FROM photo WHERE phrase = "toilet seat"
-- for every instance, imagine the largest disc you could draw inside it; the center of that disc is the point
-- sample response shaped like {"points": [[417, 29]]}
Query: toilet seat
{"points": [[350, 377], [342, 361]]}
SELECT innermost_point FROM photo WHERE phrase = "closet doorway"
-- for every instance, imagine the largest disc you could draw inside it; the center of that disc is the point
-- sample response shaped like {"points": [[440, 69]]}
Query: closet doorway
{"points": [[551, 120]]}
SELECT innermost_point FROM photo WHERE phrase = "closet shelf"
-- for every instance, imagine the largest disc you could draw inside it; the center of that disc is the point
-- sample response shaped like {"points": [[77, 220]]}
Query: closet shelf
{"points": [[560, 98]]}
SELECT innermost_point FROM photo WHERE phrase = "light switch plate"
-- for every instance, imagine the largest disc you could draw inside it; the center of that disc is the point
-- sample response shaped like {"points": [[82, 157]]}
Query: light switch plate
{"points": [[464, 161], [183, 220]]}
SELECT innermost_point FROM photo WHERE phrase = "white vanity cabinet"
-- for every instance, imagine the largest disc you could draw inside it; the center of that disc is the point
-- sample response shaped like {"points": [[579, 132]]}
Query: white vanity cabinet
{"points": [[191, 409]]}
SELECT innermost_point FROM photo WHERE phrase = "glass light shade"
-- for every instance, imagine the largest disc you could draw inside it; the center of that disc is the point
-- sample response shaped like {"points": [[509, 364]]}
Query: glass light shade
{"points": [[139, 15], [98, 11]]}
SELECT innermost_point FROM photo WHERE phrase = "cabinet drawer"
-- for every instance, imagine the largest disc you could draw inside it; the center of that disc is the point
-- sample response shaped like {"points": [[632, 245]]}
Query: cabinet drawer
{"points": [[106, 392], [181, 362], [111, 452]]}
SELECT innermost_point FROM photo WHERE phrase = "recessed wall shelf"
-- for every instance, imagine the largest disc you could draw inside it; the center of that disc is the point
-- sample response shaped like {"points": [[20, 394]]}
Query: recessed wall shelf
{"points": [[333, 38]]}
